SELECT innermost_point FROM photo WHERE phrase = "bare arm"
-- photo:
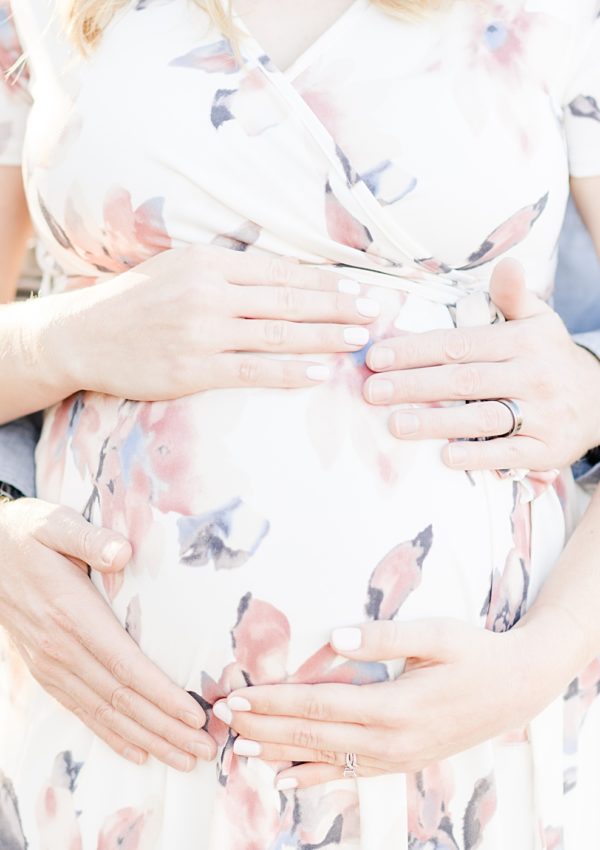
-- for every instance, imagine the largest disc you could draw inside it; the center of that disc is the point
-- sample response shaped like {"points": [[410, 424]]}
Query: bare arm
{"points": [[586, 193], [15, 229]]}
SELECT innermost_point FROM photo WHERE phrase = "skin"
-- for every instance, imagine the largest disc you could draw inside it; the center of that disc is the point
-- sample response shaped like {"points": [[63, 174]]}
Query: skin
{"points": [[398, 726], [14, 232], [123, 709]]}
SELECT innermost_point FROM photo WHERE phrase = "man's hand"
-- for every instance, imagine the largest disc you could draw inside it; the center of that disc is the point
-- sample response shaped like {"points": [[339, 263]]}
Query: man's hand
{"points": [[74, 645], [530, 358]]}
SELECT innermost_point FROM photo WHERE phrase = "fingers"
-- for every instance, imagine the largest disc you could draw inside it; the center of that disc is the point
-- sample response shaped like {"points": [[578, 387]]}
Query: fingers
{"points": [[297, 305], [479, 419], [306, 775], [470, 382], [517, 452], [120, 745], [335, 702], [277, 336], [260, 269], [491, 344], [255, 731], [125, 728], [508, 291], [249, 370], [110, 694], [385, 640], [68, 533], [102, 634]]}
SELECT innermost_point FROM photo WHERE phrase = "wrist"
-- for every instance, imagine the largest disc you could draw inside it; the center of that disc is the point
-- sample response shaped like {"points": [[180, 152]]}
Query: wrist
{"points": [[56, 331], [551, 639], [591, 381]]}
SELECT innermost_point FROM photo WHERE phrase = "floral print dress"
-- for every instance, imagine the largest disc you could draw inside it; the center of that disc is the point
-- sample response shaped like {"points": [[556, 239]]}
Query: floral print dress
{"points": [[412, 156]]}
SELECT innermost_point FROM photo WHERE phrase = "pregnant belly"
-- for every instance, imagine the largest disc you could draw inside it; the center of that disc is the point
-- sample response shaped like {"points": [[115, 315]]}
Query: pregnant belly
{"points": [[262, 519]]}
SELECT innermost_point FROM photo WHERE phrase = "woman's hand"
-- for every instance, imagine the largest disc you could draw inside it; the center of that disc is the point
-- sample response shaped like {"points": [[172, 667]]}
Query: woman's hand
{"points": [[76, 648], [179, 322], [462, 685], [531, 358]]}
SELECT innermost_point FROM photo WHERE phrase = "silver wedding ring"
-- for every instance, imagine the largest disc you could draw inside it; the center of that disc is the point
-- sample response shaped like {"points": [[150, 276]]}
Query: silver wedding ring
{"points": [[515, 412], [350, 765]]}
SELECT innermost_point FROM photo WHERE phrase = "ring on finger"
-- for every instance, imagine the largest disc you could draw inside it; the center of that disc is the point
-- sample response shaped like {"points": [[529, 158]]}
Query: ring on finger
{"points": [[350, 766], [516, 413]]}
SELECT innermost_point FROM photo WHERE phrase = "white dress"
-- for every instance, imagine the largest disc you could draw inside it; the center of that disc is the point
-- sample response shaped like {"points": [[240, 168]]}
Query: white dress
{"points": [[413, 156]]}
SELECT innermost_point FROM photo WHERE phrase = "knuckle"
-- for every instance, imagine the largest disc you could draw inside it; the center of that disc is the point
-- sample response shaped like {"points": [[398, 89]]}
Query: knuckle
{"points": [[466, 381], [305, 738], [62, 619], [407, 386], [49, 647], [86, 542], [249, 371], [120, 669], [277, 270], [315, 709], [287, 301], [104, 714], [328, 757], [456, 345], [122, 700], [276, 332]]}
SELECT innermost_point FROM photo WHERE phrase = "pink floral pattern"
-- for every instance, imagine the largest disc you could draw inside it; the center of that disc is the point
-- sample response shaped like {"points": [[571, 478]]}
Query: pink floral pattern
{"points": [[410, 157]]}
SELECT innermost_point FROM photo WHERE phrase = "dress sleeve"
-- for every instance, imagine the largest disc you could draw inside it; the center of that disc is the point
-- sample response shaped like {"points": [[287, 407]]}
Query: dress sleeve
{"points": [[582, 101], [14, 97]]}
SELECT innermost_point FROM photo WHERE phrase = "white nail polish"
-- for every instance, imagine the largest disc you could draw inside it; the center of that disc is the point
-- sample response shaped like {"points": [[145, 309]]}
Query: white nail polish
{"points": [[287, 784], [318, 373], [368, 307], [239, 704], [223, 712], [350, 287], [356, 336], [346, 640], [244, 747]]}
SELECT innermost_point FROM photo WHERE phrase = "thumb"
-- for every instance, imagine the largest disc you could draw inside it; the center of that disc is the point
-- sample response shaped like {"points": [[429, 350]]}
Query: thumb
{"points": [[386, 640], [508, 291], [68, 533]]}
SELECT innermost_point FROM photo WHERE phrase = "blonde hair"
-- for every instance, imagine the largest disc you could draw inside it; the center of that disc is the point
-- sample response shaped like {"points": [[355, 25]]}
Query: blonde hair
{"points": [[86, 19]]}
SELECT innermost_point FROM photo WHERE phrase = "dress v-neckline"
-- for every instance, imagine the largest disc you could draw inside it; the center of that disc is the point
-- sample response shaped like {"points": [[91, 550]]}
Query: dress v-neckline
{"points": [[314, 48]]}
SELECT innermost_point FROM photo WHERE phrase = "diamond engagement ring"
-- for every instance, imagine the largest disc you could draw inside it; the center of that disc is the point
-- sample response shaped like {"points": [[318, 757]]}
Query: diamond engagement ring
{"points": [[515, 412], [350, 766]]}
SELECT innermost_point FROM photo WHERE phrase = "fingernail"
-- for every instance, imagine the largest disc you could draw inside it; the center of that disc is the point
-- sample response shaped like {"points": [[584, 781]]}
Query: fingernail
{"points": [[180, 761], [346, 640], [244, 747], [457, 454], [405, 423], [111, 550], [239, 704], [351, 287], [287, 784], [318, 373], [356, 336], [134, 755], [381, 358], [192, 719], [202, 751], [223, 712], [368, 307], [380, 390]]}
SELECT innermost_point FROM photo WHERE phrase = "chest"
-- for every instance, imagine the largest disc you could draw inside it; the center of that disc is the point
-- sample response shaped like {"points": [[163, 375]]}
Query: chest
{"points": [[284, 30]]}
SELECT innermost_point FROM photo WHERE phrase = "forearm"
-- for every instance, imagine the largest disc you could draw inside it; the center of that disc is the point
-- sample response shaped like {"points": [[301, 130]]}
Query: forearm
{"points": [[34, 361], [15, 230], [566, 609]]}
